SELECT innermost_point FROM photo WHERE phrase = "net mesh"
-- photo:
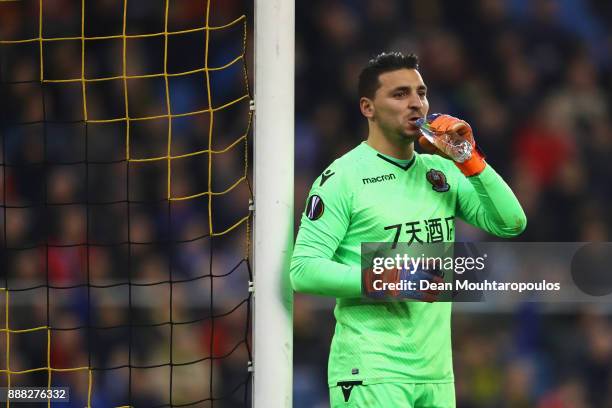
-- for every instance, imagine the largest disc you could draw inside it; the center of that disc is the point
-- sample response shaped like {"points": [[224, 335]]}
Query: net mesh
{"points": [[125, 200]]}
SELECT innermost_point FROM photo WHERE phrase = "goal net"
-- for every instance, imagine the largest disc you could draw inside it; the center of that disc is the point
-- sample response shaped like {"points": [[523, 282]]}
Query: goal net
{"points": [[124, 201]]}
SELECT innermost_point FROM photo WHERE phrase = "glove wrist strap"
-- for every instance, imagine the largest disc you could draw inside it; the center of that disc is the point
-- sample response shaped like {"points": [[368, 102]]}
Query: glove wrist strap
{"points": [[474, 165]]}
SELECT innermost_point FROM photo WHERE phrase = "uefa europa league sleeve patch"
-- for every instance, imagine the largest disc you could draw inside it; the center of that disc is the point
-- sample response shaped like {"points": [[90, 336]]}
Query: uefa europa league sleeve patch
{"points": [[315, 207]]}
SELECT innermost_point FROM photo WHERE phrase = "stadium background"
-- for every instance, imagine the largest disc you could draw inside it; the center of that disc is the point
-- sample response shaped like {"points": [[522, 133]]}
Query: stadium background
{"points": [[532, 77]]}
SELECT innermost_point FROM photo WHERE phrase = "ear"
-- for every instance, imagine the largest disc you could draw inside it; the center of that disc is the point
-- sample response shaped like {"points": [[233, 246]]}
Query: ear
{"points": [[367, 107]]}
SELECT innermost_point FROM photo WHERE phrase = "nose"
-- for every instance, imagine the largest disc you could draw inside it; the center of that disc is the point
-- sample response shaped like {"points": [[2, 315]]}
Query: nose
{"points": [[415, 101]]}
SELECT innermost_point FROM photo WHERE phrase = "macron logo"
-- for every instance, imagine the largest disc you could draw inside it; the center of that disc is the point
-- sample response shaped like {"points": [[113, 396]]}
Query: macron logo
{"points": [[384, 177]]}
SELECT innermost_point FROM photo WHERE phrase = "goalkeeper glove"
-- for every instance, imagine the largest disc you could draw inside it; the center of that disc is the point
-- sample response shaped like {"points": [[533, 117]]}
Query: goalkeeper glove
{"points": [[442, 124], [403, 283]]}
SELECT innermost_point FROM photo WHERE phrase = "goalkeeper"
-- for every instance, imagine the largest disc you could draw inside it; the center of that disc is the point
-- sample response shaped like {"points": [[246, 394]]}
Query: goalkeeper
{"points": [[393, 354]]}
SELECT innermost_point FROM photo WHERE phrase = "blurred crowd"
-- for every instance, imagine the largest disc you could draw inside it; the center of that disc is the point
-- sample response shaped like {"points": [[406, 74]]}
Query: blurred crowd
{"points": [[533, 79], [104, 272]]}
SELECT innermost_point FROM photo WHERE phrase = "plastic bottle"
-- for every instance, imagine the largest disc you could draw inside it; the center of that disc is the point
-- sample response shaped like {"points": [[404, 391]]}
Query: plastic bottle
{"points": [[454, 146]]}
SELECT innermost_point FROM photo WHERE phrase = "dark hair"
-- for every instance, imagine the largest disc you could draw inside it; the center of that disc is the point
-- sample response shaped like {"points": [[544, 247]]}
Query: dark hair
{"points": [[384, 62]]}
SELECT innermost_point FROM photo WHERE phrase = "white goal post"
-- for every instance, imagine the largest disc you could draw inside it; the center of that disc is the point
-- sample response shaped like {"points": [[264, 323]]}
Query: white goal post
{"points": [[273, 216]]}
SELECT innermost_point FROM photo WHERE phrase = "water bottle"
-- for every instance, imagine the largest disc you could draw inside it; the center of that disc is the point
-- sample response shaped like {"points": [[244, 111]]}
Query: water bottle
{"points": [[454, 146]]}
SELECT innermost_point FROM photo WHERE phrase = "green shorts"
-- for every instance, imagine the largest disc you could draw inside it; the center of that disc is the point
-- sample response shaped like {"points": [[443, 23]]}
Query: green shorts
{"points": [[390, 395]]}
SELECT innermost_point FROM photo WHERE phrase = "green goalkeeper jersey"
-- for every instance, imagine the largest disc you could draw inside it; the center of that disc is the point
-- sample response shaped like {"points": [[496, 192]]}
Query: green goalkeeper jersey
{"points": [[365, 196]]}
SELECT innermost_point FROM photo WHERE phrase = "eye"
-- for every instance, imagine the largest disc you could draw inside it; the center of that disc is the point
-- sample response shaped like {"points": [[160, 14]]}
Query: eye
{"points": [[400, 94]]}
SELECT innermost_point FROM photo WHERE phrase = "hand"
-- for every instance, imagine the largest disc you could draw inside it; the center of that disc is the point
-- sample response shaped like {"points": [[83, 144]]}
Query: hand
{"points": [[455, 128], [402, 284]]}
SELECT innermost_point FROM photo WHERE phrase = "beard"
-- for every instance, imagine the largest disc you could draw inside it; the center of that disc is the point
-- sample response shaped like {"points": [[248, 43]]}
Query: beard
{"points": [[402, 131], [409, 134]]}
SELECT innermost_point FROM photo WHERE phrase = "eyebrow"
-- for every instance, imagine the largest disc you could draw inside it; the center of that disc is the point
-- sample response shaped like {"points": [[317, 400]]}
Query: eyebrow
{"points": [[407, 88]]}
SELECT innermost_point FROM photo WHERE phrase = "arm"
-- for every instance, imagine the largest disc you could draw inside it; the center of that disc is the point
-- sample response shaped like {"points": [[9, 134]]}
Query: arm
{"points": [[312, 268], [484, 199], [487, 202]]}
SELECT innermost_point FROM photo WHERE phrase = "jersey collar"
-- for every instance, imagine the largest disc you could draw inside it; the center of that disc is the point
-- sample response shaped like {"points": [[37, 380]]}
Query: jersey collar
{"points": [[402, 164], [396, 163]]}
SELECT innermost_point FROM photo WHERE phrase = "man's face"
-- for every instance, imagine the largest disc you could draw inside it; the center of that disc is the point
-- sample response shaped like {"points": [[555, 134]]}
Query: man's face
{"points": [[400, 100]]}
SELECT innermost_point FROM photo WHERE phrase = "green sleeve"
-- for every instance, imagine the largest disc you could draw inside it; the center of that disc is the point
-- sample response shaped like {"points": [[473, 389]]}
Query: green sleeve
{"points": [[487, 202], [313, 269]]}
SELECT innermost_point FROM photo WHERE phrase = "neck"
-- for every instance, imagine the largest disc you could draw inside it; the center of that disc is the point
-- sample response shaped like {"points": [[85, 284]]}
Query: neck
{"points": [[399, 147]]}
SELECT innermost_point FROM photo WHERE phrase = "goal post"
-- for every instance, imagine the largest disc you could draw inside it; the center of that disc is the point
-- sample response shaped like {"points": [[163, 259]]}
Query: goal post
{"points": [[273, 215]]}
